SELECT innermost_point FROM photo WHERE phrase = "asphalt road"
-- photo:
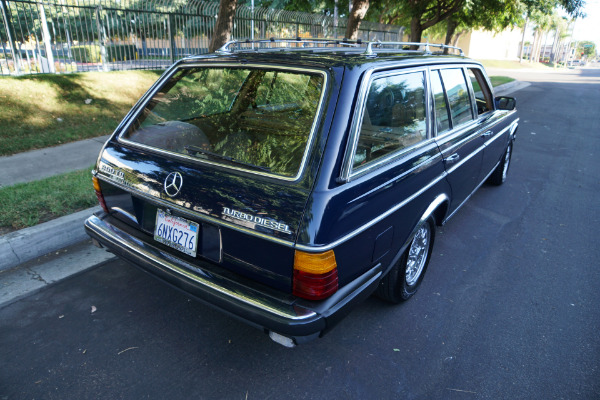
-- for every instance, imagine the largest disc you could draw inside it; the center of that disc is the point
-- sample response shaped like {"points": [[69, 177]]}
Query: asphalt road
{"points": [[509, 309]]}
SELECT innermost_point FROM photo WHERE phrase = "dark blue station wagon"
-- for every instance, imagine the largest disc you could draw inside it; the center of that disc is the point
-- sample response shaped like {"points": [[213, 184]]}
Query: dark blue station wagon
{"points": [[284, 182]]}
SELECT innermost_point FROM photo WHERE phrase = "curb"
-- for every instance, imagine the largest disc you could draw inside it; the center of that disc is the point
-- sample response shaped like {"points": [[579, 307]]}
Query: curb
{"points": [[24, 245], [509, 87]]}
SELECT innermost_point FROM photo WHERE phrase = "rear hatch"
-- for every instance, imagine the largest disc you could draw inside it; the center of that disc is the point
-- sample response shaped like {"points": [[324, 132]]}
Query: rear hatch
{"points": [[220, 151]]}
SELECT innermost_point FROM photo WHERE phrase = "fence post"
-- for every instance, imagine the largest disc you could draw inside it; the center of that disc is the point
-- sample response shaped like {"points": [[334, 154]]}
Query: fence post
{"points": [[101, 39], [16, 56], [47, 43], [172, 44]]}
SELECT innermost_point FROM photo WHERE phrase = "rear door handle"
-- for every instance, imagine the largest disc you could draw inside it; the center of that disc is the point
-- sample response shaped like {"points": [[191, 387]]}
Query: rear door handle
{"points": [[487, 133], [452, 159]]}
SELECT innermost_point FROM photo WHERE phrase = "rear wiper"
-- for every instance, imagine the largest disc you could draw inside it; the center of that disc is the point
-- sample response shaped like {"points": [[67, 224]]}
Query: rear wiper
{"points": [[196, 149]]}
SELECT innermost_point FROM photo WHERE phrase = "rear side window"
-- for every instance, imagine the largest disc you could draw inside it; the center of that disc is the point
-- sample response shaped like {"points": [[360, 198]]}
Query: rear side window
{"points": [[257, 119], [458, 95], [441, 105], [394, 117]]}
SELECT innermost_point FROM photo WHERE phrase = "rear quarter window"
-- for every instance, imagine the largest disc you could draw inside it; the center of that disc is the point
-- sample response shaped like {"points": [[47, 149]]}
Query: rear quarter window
{"points": [[393, 118]]}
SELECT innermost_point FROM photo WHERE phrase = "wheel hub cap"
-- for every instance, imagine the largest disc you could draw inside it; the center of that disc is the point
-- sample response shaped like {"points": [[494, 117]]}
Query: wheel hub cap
{"points": [[417, 254]]}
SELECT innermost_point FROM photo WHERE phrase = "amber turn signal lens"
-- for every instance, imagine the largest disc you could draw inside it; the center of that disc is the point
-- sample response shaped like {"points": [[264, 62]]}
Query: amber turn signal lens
{"points": [[99, 194], [314, 263]]}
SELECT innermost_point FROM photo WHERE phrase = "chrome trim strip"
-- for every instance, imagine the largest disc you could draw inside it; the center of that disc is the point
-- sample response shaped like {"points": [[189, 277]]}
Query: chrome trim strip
{"points": [[196, 215], [315, 249], [464, 160], [207, 280], [309, 142], [496, 136], [469, 196]]}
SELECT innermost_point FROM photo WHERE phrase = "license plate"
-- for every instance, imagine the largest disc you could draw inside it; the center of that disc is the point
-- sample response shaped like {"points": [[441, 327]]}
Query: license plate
{"points": [[176, 232]]}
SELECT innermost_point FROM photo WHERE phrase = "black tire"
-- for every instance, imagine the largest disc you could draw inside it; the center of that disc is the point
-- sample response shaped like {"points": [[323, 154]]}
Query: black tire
{"points": [[498, 177], [405, 277]]}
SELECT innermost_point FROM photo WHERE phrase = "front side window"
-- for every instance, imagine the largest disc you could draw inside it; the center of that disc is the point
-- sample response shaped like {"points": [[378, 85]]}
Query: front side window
{"points": [[393, 117], [483, 94], [256, 119], [458, 95]]}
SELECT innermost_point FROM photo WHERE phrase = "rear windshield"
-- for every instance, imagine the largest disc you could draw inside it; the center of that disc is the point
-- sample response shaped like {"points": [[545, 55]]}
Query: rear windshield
{"points": [[255, 119]]}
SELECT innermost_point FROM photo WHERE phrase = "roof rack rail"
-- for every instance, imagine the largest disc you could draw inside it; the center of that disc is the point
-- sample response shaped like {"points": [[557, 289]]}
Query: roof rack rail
{"points": [[303, 41], [227, 48], [370, 46]]}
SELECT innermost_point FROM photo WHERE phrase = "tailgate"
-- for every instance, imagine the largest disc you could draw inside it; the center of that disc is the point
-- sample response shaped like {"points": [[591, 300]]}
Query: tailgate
{"points": [[247, 224]]}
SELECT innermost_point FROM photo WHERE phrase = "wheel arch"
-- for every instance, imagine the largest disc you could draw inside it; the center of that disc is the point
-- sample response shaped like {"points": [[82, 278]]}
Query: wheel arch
{"points": [[437, 209]]}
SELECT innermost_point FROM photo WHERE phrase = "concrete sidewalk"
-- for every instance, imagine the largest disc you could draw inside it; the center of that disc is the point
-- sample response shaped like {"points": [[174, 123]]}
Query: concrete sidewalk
{"points": [[39, 164]]}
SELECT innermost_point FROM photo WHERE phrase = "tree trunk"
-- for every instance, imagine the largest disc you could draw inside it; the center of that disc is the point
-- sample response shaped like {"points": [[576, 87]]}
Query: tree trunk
{"points": [[451, 26], [224, 24], [416, 31], [359, 9]]}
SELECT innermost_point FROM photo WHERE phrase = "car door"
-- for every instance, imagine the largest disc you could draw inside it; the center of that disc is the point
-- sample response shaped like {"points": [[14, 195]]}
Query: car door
{"points": [[457, 133], [490, 123]]}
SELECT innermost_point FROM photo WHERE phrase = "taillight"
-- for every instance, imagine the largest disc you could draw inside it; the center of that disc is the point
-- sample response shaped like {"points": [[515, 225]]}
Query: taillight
{"points": [[315, 275], [99, 195]]}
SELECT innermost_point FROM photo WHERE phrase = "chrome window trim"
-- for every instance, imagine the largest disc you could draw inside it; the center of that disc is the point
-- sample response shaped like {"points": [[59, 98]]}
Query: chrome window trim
{"points": [[311, 136], [348, 172]]}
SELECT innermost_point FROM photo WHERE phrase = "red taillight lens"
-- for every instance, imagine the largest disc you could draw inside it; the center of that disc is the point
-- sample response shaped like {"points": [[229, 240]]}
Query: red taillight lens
{"points": [[315, 275], [99, 195]]}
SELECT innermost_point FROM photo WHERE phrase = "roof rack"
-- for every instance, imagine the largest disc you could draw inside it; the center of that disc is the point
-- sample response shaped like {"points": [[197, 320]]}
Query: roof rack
{"points": [[426, 45], [227, 48]]}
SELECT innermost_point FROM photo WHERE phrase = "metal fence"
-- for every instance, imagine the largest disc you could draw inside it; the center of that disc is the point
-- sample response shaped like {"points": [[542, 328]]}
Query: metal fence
{"points": [[65, 36]]}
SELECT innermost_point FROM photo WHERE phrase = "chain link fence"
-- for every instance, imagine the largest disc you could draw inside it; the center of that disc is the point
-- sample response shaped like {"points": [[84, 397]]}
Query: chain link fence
{"points": [[101, 35]]}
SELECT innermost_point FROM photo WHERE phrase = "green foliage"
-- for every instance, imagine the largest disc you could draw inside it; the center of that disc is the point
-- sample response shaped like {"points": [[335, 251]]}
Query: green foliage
{"points": [[586, 47], [121, 52], [86, 54]]}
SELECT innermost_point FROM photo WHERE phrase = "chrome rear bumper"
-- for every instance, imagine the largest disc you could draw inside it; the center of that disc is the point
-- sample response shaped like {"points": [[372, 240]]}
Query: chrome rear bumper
{"points": [[294, 318]]}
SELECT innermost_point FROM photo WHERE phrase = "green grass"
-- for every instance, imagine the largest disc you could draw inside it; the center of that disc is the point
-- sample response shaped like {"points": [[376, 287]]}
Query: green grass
{"points": [[28, 204], [47, 110], [500, 80]]}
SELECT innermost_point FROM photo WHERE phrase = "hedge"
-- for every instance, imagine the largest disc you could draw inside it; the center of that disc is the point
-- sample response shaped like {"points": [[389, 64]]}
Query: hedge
{"points": [[116, 52], [87, 54]]}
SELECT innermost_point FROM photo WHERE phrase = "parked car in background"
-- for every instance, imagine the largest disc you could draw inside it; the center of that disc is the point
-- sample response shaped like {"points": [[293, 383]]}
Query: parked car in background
{"points": [[285, 185]]}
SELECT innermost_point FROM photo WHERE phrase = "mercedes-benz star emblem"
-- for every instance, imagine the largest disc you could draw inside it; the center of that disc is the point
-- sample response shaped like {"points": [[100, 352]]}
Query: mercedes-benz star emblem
{"points": [[173, 184]]}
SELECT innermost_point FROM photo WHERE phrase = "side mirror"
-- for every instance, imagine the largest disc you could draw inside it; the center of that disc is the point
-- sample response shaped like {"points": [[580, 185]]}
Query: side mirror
{"points": [[505, 103]]}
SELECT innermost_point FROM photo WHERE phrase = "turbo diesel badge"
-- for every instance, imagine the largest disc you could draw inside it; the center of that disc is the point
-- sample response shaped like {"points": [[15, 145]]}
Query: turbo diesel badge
{"points": [[256, 220]]}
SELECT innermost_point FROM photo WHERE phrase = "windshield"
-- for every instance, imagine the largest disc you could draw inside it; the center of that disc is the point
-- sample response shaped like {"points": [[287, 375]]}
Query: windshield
{"points": [[257, 119]]}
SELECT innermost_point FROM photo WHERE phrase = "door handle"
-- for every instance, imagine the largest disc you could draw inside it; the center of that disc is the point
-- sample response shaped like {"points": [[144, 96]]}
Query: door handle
{"points": [[487, 133], [452, 159]]}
